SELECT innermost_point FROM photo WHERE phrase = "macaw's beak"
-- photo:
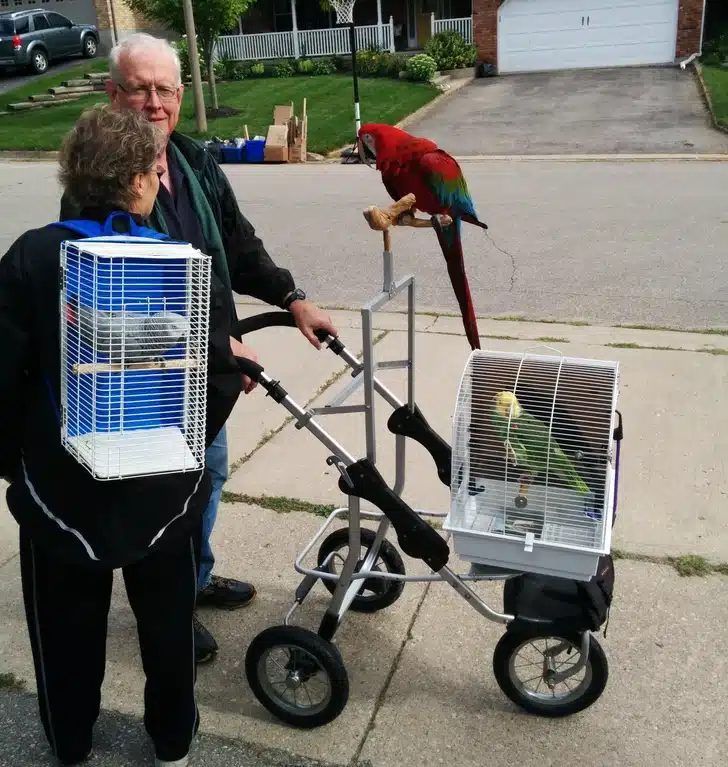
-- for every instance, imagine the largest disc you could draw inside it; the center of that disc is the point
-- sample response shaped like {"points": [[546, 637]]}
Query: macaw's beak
{"points": [[365, 153]]}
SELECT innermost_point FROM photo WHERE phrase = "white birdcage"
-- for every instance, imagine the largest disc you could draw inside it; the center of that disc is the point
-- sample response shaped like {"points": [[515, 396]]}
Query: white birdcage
{"points": [[134, 332], [533, 466]]}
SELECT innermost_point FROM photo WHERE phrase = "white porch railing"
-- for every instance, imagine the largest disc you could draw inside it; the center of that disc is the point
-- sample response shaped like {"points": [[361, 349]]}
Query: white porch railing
{"points": [[303, 43], [464, 27]]}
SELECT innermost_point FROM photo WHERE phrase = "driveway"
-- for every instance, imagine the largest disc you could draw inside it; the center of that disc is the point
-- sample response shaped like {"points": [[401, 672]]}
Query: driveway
{"points": [[641, 110], [17, 78]]}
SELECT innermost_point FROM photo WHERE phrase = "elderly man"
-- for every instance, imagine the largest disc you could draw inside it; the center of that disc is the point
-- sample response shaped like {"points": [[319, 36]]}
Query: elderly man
{"points": [[196, 204]]}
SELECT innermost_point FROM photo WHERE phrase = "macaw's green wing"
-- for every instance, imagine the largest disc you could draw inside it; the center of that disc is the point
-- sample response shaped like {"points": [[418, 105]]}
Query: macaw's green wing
{"points": [[444, 177]]}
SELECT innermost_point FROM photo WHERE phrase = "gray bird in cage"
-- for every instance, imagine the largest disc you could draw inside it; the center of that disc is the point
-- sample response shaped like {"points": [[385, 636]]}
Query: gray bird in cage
{"points": [[125, 336]]}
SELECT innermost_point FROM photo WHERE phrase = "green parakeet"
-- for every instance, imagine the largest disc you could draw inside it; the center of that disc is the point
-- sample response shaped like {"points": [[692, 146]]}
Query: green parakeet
{"points": [[528, 444]]}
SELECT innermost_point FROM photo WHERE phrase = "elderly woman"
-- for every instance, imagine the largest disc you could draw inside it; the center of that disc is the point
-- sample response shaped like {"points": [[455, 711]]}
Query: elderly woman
{"points": [[75, 531]]}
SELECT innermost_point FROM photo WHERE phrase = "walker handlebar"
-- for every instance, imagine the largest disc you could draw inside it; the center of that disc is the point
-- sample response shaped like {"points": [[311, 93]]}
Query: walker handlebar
{"points": [[269, 320], [272, 320]]}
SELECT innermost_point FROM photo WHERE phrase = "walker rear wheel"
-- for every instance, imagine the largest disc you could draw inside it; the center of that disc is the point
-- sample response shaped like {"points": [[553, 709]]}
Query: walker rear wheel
{"points": [[298, 676], [524, 665], [376, 593]]}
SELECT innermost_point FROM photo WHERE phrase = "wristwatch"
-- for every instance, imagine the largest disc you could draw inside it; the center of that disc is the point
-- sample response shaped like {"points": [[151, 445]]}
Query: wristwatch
{"points": [[294, 295]]}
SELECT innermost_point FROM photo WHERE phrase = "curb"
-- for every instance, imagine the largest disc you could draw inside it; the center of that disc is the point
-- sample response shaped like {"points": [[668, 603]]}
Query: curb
{"points": [[705, 92], [30, 155]]}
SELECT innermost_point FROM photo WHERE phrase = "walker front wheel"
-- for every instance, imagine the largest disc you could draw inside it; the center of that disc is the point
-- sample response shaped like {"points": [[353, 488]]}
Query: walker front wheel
{"points": [[298, 676], [525, 666], [376, 593]]}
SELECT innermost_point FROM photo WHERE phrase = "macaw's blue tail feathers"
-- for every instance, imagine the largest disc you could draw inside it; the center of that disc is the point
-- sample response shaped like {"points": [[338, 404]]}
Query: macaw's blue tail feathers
{"points": [[474, 221]]}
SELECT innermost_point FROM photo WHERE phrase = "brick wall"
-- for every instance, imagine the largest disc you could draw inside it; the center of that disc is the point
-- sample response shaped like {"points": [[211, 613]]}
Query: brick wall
{"points": [[127, 22], [690, 19], [485, 28]]}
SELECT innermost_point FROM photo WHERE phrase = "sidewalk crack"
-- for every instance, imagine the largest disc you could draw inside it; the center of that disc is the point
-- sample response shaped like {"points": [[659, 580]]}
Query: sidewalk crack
{"points": [[387, 682]]}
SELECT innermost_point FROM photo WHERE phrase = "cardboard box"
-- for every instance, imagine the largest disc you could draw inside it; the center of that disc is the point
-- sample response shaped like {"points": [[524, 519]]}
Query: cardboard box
{"points": [[287, 135], [276, 144], [299, 137]]}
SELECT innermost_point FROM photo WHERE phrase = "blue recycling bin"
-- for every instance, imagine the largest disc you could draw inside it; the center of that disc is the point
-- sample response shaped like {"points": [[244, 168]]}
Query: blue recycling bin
{"points": [[254, 150], [232, 154]]}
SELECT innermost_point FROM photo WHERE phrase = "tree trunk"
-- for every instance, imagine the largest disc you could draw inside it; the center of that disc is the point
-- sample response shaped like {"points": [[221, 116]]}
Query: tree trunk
{"points": [[211, 77]]}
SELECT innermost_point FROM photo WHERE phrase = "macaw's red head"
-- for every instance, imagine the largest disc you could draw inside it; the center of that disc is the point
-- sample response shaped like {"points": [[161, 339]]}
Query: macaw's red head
{"points": [[378, 142]]}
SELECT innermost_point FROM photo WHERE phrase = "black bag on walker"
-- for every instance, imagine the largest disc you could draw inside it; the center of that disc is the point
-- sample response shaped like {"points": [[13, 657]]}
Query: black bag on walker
{"points": [[569, 605]]}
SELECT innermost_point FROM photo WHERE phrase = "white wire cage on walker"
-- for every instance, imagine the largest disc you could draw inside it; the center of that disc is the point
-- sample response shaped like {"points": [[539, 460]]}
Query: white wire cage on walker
{"points": [[533, 461], [299, 675], [134, 333]]}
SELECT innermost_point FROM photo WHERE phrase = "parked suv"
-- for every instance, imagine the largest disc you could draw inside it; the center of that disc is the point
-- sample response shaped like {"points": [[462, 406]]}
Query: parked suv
{"points": [[35, 38]]}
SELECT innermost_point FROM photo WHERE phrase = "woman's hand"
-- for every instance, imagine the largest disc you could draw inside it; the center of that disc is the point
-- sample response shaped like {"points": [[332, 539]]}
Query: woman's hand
{"points": [[240, 349]]}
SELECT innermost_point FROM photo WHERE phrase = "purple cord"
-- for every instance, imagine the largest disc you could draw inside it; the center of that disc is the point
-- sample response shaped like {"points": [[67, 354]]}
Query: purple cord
{"points": [[616, 484]]}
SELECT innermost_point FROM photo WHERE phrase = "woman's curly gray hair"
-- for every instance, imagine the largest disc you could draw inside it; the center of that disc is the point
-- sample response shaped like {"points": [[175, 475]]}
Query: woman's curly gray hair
{"points": [[103, 153]]}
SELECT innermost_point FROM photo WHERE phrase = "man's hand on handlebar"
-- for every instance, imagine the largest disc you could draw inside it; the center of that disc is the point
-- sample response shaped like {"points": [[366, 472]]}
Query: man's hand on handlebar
{"points": [[240, 349], [309, 318]]}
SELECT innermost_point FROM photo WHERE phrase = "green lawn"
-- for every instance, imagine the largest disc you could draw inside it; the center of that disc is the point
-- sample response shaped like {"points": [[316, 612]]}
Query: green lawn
{"points": [[716, 78], [329, 103]]}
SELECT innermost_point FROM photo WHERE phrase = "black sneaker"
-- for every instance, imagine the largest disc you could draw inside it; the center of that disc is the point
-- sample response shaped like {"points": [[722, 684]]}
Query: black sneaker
{"points": [[226, 593], [205, 644]]}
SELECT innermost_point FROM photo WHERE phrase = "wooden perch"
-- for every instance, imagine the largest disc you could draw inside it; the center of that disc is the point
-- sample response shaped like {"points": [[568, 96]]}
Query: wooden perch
{"points": [[84, 368], [399, 214]]}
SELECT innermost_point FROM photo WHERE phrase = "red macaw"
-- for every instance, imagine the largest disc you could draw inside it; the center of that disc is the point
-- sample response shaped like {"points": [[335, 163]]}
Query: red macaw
{"points": [[413, 165]]}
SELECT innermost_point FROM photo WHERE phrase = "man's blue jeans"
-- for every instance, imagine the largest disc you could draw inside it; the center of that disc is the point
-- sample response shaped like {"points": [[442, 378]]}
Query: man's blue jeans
{"points": [[216, 458]]}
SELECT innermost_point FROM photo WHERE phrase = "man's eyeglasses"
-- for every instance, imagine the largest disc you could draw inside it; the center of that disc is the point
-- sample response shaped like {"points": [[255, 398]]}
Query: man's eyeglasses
{"points": [[142, 92]]}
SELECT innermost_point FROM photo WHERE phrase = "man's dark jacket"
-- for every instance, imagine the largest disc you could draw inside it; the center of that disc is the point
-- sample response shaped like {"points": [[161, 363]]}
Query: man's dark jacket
{"points": [[244, 265], [64, 509]]}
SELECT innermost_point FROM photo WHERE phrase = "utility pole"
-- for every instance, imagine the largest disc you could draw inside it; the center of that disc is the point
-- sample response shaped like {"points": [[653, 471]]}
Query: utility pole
{"points": [[195, 67]]}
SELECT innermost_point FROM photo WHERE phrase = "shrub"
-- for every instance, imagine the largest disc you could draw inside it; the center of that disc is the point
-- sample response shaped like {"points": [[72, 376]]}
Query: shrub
{"points": [[229, 69], [257, 69], [304, 66], [240, 71], [184, 55], [395, 63], [421, 67], [324, 67], [450, 51], [284, 69], [368, 63], [715, 51], [224, 69]]}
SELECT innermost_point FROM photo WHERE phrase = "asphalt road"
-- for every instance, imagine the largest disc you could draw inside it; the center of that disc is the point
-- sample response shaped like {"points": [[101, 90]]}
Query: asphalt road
{"points": [[605, 242]]}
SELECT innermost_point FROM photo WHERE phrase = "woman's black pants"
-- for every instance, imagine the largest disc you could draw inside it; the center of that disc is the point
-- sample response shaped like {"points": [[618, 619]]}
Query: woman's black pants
{"points": [[67, 608]]}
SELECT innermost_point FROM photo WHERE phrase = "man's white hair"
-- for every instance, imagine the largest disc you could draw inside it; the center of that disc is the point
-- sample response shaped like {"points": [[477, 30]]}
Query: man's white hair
{"points": [[141, 42]]}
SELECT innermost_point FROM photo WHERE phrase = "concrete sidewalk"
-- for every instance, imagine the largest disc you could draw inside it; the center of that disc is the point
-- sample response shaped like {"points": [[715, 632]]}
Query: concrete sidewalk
{"points": [[422, 687]]}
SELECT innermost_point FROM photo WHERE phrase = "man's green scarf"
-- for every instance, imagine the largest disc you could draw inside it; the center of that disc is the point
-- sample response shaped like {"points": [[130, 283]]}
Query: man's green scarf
{"points": [[211, 232]]}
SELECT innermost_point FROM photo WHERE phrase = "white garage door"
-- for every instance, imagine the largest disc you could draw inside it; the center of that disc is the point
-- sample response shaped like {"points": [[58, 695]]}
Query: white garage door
{"points": [[542, 35]]}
